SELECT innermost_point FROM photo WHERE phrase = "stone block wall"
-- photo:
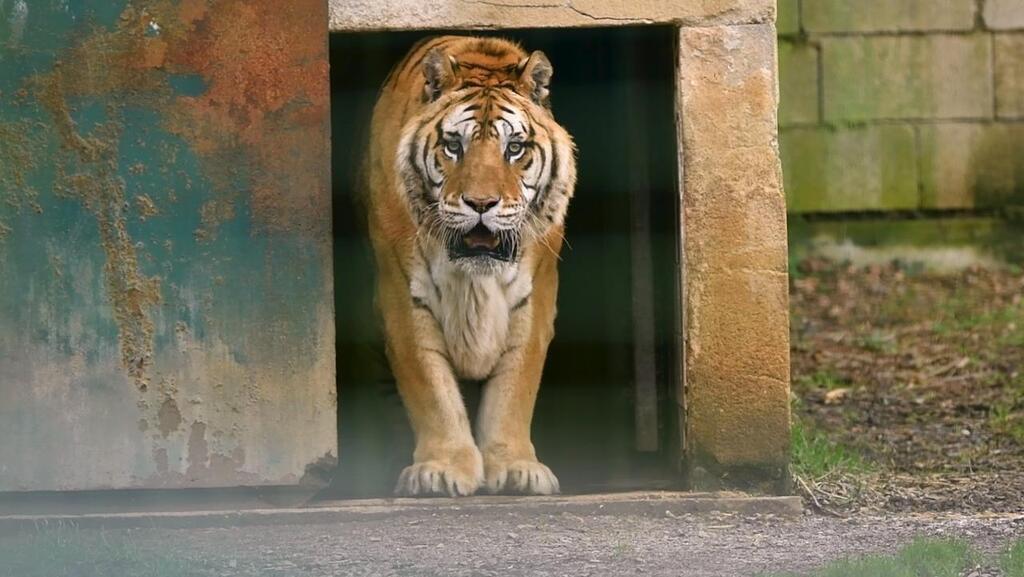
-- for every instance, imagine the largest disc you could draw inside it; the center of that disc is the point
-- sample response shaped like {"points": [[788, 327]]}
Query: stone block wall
{"points": [[902, 104]]}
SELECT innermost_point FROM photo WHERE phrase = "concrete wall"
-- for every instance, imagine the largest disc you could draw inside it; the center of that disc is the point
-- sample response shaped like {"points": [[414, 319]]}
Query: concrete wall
{"points": [[902, 104]]}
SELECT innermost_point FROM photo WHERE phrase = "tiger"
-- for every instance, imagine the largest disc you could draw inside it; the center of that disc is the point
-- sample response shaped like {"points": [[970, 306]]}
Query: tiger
{"points": [[468, 181]]}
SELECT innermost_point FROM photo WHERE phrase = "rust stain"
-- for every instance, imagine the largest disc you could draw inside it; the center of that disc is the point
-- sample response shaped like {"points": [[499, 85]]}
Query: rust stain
{"points": [[263, 114], [267, 96], [21, 146], [93, 180], [145, 207], [211, 215], [168, 417]]}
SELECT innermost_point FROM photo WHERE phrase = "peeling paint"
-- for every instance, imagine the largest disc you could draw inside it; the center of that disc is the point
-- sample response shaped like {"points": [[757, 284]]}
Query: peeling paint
{"points": [[145, 206], [169, 417], [212, 215], [90, 176], [21, 147]]}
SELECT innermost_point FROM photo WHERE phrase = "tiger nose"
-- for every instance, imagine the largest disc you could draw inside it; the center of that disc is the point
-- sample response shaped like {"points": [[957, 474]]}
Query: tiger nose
{"points": [[481, 205]]}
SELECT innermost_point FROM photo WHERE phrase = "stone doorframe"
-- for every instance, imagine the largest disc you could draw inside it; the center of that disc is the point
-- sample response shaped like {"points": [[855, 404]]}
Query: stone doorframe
{"points": [[735, 386]]}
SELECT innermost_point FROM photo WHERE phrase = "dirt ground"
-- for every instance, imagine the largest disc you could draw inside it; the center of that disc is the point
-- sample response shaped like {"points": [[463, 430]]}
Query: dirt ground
{"points": [[920, 374], [531, 543], [527, 543]]}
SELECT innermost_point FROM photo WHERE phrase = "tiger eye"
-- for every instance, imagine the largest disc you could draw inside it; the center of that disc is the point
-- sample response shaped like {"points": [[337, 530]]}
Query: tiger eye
{"points": [[514, 148], [453, 146]]}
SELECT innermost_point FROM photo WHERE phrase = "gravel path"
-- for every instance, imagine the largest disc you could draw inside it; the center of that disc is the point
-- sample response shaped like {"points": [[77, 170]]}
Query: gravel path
{"points": [[524, 542]]}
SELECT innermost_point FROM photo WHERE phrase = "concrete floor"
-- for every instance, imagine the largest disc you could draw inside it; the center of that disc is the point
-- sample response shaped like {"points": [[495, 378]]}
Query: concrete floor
{"points": [[625, 535]]}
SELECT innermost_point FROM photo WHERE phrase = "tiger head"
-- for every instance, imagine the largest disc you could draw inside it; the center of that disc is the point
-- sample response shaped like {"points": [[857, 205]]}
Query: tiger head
{"points": [[487, 170]]}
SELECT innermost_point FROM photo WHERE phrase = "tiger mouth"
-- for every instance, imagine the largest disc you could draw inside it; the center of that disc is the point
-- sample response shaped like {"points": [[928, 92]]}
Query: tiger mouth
{"points": [[480, 241]]}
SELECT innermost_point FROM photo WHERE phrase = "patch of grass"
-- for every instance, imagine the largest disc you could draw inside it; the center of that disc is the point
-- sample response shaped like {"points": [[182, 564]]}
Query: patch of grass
{"points": [[1005, 420], [67, 552], [878, 342], [921, 558], [1012, 562], [960, 315], [815, 456], [824, 379]]}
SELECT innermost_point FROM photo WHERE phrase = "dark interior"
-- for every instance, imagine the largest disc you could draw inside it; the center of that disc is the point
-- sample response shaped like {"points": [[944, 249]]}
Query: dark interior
{"points": [[613, 90]]}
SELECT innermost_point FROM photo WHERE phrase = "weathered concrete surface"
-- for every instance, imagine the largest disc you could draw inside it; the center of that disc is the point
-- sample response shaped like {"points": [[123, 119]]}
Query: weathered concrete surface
{"points": [[456, 14], [166, 311], [825, 16], [640, 504], [1009, 75], [1004, 14], [906, 77], [972, 165], [850, 169], [735, 282]]}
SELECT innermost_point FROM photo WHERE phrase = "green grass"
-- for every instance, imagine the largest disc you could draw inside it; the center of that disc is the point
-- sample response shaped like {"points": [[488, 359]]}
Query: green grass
{"points": [[68, 552], [961, 315], [878, 342], [824, 379], [921, 558], [1012, 561], [814, 455], [1003, 419]]}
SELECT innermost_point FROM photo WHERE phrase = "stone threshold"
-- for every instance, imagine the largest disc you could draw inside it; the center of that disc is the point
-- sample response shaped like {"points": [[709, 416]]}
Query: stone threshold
{"points": [[644, 504]]}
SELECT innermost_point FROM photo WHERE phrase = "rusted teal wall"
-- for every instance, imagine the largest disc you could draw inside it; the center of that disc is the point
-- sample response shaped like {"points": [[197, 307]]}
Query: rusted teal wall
{"points": [[166, 312]]}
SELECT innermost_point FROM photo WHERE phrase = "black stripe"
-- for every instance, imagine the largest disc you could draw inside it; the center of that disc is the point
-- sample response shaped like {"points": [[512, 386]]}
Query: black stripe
{"points": [[438, 42], [426, 157], [554, 162], [468, 96], [543, 163]]}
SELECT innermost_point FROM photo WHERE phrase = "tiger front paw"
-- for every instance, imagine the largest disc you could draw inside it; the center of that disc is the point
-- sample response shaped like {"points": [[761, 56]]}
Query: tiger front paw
{"points": [[458, 474], [525, 476]]}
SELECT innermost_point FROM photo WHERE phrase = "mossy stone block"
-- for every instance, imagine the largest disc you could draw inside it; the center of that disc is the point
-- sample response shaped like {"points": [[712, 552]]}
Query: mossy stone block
{"points": [[862, 169]]}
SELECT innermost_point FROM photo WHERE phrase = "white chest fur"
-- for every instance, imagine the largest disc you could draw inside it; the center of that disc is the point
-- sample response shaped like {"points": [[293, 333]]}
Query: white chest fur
{"points": [[474, 312]]}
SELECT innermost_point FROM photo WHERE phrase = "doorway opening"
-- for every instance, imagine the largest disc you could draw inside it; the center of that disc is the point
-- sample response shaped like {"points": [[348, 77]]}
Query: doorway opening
{"points": [[608, 412]]}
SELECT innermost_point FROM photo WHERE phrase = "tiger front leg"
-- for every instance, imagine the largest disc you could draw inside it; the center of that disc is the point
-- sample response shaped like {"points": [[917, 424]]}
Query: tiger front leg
{"points": [[446, 459], [509, 397]]}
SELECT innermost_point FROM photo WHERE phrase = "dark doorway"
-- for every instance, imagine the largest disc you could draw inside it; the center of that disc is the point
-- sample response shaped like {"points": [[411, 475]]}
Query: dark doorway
{"points": [[607, 413]]}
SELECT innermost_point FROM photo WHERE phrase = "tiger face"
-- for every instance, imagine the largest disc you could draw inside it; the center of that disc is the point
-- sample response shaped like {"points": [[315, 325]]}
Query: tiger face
{"points": [[486, 168]]}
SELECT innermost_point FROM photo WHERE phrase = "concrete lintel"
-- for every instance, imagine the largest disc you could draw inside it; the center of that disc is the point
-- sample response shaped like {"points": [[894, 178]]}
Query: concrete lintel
{"points": [[370, 15]]}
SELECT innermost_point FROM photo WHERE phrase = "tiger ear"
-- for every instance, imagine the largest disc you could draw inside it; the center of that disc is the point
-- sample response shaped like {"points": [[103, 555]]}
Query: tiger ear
{"points": [[439, 71], [535, 75]]}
